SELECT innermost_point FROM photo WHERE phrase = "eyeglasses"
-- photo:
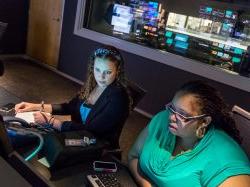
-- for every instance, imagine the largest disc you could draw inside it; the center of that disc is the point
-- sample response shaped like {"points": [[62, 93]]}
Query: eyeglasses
{"points": [[181, 115]]}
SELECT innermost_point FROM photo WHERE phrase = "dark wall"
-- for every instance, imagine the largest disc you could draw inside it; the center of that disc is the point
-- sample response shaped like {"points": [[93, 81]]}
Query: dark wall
{"points": [[160, 80], [15, 13]]}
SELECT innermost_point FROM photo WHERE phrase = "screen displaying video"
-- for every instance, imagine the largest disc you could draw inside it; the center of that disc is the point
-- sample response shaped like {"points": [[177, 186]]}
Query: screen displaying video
{"points": [[122, 18]]}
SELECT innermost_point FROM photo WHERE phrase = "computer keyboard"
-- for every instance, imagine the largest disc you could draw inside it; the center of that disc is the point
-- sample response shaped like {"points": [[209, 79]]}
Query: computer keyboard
{"points": [[103, 180]]}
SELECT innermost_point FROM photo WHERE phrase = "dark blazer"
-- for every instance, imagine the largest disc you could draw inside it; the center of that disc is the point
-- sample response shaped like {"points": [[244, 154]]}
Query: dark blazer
{"points": [[106, 117]]}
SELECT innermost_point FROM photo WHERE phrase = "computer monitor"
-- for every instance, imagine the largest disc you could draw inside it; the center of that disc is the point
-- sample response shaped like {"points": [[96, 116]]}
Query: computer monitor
{"points": [[17, 162], [168, 34], [181, 37], [236, 60], [181, 45], [122, 18], [221, 45], [238, 51], [219, 54]]}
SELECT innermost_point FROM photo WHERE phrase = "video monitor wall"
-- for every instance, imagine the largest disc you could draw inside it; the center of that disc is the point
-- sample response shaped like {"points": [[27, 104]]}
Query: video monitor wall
{"points": [[207, 38]]}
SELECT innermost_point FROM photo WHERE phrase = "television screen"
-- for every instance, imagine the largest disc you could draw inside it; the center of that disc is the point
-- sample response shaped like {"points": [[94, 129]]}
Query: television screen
{"points": [[231, 14], [122, 18], [168, 34], [226, 55], [227, 27], [227, 47], [221, 46], [169, 41], [228, 13], [218, 12], [181, 37], [181, 45], [238, 51], [236, 60], [220, 54], [205, 10], [150, 13]]}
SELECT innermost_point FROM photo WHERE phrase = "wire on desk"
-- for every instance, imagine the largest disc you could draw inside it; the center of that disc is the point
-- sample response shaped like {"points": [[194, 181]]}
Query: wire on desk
{"points": [[26, 132]]}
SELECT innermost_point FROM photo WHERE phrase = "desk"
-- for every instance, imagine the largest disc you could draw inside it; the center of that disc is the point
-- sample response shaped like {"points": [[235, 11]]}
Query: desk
{"points": [[76, 175], [10, 177]]}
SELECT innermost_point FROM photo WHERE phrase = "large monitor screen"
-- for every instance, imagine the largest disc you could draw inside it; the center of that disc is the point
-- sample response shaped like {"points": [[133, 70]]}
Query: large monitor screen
{"points": [[176, 20], [181, 45], [122, 18], [181, 37], [205, 10]]}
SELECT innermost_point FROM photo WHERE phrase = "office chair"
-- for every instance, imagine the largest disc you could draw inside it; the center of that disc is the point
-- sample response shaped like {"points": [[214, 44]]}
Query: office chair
{"points": [[137, 93], [242, 120]]}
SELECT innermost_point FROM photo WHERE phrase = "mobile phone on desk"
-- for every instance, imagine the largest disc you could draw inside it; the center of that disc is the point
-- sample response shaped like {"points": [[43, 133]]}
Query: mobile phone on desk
{"points": [[8, 107], [104, 166]]}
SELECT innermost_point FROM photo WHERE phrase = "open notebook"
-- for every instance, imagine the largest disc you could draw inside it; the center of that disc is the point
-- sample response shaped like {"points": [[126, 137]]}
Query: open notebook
{"points": [[28, 116]]}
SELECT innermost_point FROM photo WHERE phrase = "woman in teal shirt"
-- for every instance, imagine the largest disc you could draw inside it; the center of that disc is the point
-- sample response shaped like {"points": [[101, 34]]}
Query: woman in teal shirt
{"points": [[192, 143]]}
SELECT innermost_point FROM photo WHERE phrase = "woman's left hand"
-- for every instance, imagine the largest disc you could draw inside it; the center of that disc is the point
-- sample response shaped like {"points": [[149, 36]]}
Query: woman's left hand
{"points": [[41, 118]]}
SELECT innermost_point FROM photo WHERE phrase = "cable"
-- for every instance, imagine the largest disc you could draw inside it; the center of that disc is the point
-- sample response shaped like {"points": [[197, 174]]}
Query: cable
{"points": [[26, 132]]}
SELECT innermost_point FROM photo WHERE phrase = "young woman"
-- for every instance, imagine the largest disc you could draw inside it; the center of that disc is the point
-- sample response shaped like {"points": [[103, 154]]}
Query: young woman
{"points": [[192, 143], [101, 107]]}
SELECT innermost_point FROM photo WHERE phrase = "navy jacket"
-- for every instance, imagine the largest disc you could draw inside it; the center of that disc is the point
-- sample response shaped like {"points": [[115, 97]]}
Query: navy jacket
{"points": [[106, 117]]}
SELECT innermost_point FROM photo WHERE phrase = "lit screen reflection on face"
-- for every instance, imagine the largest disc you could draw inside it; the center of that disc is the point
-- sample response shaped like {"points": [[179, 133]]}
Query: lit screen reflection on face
{"points": [[104, 72]]}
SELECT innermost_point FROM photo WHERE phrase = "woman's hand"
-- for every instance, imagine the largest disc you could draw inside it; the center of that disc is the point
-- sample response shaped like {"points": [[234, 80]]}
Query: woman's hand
{"points": [[26, 107], [41, 118]]}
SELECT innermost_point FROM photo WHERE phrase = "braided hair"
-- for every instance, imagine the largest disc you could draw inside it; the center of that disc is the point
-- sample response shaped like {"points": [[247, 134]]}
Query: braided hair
{"points": [[212, 104]]}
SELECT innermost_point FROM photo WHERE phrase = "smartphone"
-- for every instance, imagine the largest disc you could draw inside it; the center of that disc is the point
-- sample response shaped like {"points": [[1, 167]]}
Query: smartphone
{"points": [[104, 166], [75, 142], [8, 107]]}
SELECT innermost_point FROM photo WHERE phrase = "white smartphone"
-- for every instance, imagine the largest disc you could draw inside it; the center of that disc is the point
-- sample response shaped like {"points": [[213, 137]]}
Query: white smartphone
{"points": [[104, 166]]}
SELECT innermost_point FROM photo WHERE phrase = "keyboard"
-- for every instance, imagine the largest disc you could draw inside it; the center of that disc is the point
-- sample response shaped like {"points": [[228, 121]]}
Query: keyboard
{"points": [[103, 180]]}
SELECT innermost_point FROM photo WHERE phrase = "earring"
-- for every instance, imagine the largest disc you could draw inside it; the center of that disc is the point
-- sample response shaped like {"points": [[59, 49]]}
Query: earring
{"points": [[200, 131]]}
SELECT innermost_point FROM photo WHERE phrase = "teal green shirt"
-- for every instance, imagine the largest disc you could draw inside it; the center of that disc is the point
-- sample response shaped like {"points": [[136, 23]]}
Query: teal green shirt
{"points": [[215, 158]]}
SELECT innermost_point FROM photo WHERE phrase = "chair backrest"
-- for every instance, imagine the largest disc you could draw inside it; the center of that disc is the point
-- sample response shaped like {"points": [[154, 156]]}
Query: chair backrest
{"points": [[136, 93], [242, 119]]}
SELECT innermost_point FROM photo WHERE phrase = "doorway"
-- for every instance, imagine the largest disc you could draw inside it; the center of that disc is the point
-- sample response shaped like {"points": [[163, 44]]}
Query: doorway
{"points": [[44, 30]]}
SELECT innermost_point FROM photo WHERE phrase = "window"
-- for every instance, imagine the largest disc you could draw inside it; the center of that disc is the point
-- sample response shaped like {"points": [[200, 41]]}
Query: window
{"points": [[150, 29]]}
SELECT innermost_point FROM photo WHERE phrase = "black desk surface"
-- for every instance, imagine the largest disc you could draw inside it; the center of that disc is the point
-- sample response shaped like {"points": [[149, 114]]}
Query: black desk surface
{"points": [[10, 177], [75, 176]]}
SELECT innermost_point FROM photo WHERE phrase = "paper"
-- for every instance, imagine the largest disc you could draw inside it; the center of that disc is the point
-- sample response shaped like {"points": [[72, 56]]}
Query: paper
{"points": [[28, 116]]}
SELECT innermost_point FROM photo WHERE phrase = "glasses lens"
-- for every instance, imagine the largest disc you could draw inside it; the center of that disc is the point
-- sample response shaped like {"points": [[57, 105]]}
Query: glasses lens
{"points": [[178, 116]]}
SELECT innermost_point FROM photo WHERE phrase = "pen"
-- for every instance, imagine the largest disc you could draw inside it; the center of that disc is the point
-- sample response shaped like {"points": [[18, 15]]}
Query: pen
{"points": [[42, 107]]}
